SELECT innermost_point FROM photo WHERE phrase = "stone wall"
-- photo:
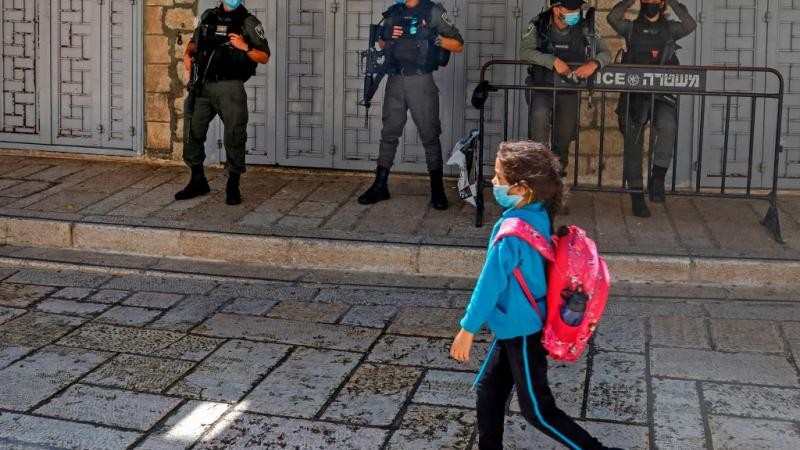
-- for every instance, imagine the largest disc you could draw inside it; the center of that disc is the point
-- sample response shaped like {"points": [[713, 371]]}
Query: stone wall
{"points": [[168, 26]]}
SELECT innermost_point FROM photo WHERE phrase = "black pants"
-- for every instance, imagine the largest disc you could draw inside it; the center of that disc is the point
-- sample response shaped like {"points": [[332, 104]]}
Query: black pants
{"points": [[522, 362], [554, 122], [665, 128]]}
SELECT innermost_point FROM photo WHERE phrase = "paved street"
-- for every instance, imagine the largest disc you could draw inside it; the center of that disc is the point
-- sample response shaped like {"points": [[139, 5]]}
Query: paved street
{"points": [[97, 361]]}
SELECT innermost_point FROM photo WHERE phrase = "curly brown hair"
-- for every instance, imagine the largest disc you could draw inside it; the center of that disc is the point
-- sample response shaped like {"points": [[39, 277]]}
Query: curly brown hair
{"points": [[533, 164]]}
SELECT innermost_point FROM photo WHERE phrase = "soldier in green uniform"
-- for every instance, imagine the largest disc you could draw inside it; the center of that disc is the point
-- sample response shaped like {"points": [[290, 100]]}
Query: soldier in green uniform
{"points": [[229, 43], [650, 39], [417, 32], [554, 41]]}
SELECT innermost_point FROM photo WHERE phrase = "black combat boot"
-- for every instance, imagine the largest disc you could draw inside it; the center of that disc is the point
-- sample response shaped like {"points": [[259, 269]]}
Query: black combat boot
{"points": [[379, 190], [438, 196], [639, 205], [232, 194], [656, 190], [198, 185]]}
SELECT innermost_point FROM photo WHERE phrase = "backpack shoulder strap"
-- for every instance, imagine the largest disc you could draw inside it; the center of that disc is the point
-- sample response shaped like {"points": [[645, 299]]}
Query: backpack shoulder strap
{"points": [[525, 231], [531, 299]]}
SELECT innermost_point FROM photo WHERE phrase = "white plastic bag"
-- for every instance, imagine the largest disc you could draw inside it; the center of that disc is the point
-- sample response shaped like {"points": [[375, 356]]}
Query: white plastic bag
{"points": [[462, 156]]}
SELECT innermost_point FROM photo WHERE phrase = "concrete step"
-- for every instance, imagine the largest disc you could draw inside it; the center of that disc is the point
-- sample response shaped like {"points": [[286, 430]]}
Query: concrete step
{"points": [[460, 264]]}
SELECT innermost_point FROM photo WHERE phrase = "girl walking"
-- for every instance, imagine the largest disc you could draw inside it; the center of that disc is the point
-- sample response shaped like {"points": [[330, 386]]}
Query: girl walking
{"points": [[528, 185]]}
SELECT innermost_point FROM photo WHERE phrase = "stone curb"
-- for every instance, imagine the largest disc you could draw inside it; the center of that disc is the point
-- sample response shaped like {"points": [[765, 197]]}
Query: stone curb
{"points": [[406, 259]]}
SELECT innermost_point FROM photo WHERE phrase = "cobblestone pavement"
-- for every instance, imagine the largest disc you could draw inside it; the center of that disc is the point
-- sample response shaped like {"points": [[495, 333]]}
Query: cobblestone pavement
{"points": [[106, 362], [323, 204]]}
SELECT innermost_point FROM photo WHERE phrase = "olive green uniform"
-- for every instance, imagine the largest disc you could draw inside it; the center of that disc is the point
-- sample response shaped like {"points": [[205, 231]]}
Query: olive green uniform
{"points": [[227, 98]]}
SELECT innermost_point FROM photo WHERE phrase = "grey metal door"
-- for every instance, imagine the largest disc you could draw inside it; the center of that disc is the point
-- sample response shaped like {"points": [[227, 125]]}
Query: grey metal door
{"points": [[733, 34], [783, 53], [304, 58], [260, 89], [261, 142], [70, 75], [76, 73], [117, 91], [24, 114], [493, 30]]}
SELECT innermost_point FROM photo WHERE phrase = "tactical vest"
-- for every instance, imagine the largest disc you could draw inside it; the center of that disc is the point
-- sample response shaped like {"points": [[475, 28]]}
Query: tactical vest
{"points": [[415, 51], [650, 43], [570, 47], [220, 60]]}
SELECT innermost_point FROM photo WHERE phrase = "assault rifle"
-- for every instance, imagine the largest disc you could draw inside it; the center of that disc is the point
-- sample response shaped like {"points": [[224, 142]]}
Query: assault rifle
{"points": [[375, 65]]}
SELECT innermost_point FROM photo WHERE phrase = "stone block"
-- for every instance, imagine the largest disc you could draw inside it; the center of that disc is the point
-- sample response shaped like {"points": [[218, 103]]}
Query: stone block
{"points": [[39, 432], [185, 426], [433, 427], [120, 339], [674, 331], [725, 367], [242, 430], [157, 79], [159, 135], [618, 389], [336, 337], [373, 395], [677, 416], [156, 107], [369, 316], [746, 335], [729, 433], [752, 401], [303, 384], [139, 373], [230, 371], [38, 233], [109, 407], [37, 377], [156, 49]]}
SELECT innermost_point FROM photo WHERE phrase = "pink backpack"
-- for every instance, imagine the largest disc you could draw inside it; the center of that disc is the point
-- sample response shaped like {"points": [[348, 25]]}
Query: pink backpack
{"points": [[574, 266]]}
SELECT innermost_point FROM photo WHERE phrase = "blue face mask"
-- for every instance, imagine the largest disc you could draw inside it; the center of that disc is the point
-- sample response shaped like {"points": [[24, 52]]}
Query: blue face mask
{"points": [[399, 2], [572, 19], [233, 4], [503, 198]]}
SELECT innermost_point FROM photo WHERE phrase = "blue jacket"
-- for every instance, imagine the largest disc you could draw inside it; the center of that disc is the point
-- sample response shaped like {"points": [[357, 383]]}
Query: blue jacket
{"points": [[498, 298]]}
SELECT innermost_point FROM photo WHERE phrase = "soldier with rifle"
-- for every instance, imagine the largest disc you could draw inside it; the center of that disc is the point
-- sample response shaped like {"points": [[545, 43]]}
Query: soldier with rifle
{"points": [[650, 39], [415, 39], [223, 54]]}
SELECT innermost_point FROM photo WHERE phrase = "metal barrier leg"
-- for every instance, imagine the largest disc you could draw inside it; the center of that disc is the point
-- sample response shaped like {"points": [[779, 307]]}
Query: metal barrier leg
{"points": [[479, 206], [773, 221]]}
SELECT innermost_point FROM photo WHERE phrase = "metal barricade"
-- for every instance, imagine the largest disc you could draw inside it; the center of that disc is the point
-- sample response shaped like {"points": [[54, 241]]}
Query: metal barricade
{"points": [[681, 81]]}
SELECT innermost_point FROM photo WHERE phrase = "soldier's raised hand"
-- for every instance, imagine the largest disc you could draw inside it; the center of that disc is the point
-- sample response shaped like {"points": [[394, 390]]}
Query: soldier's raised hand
{"points": [[238, 42], [397, 32]]}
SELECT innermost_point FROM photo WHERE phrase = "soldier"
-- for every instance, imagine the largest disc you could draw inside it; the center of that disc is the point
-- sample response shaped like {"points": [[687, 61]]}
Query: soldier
{"points": [[417, 32], [650, 39], [229, 43], [555, 39]]}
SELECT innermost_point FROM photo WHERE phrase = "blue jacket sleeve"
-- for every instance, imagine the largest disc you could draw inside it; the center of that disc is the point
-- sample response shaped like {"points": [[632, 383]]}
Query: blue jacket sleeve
{"points": [[500, 263]]}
